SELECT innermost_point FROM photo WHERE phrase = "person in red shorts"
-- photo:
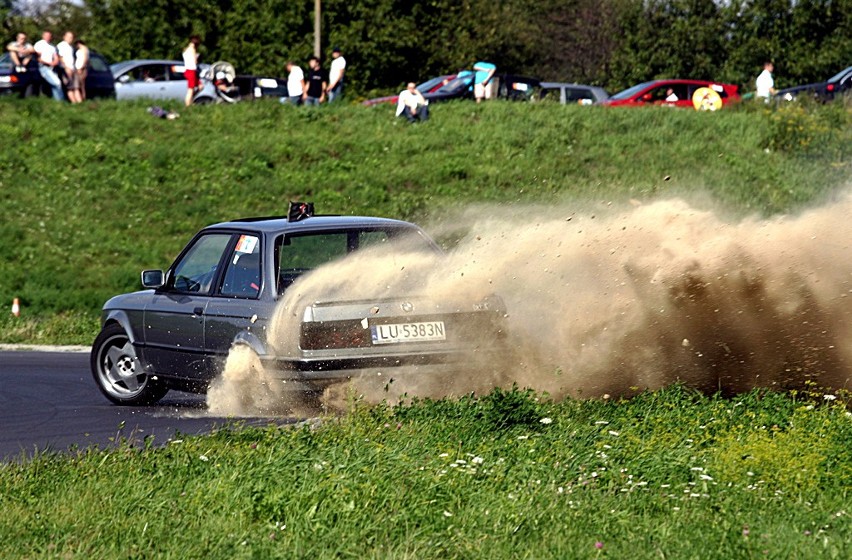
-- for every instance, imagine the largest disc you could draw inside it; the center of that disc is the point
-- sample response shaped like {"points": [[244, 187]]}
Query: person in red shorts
{"points": [[190, 66]]}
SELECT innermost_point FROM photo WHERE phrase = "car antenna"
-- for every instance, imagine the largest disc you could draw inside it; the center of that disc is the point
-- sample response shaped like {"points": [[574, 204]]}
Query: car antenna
{"points": [[298, 211]]}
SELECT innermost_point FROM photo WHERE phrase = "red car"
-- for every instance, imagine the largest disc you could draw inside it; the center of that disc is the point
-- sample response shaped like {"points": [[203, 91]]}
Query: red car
{"points": [[695, 94], [426, 87]]}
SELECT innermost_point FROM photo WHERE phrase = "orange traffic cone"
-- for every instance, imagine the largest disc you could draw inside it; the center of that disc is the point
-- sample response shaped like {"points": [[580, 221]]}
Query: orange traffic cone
{"points": [[16, 307]]}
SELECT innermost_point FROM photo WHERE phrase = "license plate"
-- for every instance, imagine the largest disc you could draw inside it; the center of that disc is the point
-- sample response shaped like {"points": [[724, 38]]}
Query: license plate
{"points": [[408, 332]]}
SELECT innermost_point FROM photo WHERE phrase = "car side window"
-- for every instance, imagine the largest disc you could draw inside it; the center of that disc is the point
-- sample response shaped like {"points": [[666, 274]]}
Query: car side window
{"points": [[97, 64], [176, 72], [148, 73], [243, 273], [195, 271]]}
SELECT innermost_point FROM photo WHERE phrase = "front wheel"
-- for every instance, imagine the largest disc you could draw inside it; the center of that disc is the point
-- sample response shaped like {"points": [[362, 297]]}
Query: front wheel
{"points": [[119, 373]]}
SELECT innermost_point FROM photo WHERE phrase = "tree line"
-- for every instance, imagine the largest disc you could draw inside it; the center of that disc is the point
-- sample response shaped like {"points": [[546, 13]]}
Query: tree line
{"points": [[612, 43]]}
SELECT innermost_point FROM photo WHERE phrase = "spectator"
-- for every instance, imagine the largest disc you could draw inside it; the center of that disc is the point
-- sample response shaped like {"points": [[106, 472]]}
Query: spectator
{"points": [[81, 63], [72, 79], [190, 69], [48, 59], [21, 52], [671, 96], [482, 85], [295, 84], [765, 84], [317, 82], [335, 75], [412, 105]]}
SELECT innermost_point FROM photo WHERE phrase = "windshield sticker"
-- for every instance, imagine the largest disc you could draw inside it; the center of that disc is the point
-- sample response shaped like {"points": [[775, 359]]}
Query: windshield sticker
{"points": [[246, 244]]}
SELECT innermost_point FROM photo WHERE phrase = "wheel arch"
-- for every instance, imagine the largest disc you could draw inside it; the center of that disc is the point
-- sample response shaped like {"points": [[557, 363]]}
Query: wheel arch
{"points": [[120, 317], [251, 340]]}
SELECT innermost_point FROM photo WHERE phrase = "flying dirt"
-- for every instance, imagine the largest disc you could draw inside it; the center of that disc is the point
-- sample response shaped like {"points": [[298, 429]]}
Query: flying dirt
{"points": [[608, 302]]}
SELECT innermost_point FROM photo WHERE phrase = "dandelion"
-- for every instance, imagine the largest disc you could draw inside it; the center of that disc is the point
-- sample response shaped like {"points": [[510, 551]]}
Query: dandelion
{"points": [[203, 458], [447, 514], [546, 420]]}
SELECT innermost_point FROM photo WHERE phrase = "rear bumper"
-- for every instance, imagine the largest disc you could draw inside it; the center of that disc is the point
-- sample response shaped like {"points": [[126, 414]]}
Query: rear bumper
{"points": [[342, 369]]}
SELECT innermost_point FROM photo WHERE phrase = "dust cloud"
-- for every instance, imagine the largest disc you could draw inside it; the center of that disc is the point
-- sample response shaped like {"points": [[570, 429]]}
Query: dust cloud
{"points": [[615, 300]]}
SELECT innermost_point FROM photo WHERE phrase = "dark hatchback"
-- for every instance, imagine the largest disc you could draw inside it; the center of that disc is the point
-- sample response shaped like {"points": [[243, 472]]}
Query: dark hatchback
{"points": [[224, 289], [99, 80], [836, 86], [509, 86]]}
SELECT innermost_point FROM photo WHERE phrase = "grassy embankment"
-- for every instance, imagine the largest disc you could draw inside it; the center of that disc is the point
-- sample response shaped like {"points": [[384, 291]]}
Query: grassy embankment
{"points": [[93, 194], [668, 474], [664, 475]]}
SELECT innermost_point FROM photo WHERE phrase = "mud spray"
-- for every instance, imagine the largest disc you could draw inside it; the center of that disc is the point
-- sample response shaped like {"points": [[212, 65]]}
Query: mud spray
{"points": [[608, 302]]}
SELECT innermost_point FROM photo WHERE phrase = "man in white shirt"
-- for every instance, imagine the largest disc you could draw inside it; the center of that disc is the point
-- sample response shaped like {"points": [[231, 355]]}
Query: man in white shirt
{"points": [[66, 55], [21, 52], [48, 59], [412, 105], [765, 83], [295, 84], [335, 75]]}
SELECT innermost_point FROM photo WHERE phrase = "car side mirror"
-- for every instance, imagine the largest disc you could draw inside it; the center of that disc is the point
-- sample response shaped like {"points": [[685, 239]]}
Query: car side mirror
{"points": [[124, 79], [646, 97], [153, 279]]}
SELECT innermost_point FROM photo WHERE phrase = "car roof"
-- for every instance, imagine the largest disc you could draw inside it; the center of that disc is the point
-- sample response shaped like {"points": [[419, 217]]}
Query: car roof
{"points": [[276, 224]]}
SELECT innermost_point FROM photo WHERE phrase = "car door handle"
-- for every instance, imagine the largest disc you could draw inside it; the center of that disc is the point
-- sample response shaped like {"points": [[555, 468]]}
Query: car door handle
{"points": [[198, 311]]}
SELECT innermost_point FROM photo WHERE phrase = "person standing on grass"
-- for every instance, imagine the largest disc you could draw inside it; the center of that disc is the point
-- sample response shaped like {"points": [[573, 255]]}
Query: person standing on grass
{"points": [[190, 69], [335, 75], [48, 60], [21, 52], [765, 83], [295, 84], [412, 105], [81, 63], [72, 79], [483, 74], [317, 82]]}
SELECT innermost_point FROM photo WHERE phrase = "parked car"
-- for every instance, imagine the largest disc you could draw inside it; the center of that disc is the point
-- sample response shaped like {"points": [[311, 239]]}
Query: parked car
{"points": [[158, 79], [572, 93], [428, 86], [838, 85], [99, 80], [509, 86], [223, 289], [672, 93]]}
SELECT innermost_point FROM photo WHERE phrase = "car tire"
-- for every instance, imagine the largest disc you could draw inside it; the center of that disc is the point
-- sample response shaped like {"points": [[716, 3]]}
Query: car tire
{"points": [[203, 100], [119, 373]]}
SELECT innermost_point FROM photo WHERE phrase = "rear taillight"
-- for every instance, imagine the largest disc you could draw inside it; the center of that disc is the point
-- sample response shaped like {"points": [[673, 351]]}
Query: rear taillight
{"points": [[13, 78], [830, 87]]}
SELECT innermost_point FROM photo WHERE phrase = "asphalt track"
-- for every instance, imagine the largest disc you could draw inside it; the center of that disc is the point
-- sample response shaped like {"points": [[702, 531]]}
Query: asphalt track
{"points": [[49, 402]]}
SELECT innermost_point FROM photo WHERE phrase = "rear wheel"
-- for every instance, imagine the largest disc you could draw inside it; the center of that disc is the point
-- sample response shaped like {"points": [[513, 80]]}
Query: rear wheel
{"points": [[118, 371]]}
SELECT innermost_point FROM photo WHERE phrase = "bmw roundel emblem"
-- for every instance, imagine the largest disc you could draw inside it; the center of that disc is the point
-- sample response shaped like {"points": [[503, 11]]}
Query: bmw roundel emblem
{"points": [[407, 306]]}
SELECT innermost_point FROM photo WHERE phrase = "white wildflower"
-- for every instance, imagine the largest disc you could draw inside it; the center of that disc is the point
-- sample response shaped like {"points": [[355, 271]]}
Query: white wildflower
{"points": [[444, 455], [477, 460], [447, 514], [601, 423], [613, 433], [203, 458], [546, 420], [706, 477], [829, 397]]}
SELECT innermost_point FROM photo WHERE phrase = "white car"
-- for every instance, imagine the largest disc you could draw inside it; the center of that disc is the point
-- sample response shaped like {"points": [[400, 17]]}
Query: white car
{"points": [[158, 79]]}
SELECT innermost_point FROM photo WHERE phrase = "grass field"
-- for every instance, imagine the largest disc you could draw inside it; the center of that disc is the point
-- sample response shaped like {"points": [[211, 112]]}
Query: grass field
{"points": [[669, 474], [93, 194]]}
